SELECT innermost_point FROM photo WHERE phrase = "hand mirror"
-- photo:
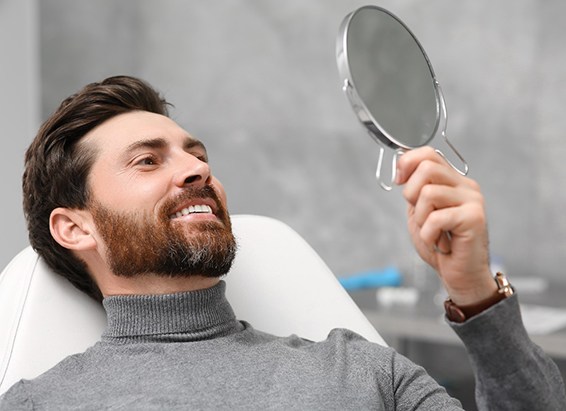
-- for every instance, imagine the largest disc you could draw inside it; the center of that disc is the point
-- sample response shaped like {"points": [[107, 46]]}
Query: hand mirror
{"points": [[391, 85]]}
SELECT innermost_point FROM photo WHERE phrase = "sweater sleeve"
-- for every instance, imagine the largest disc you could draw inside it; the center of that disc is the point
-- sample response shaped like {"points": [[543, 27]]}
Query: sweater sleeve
{"points": [[16, 398], [414, 389], [511, 372]]}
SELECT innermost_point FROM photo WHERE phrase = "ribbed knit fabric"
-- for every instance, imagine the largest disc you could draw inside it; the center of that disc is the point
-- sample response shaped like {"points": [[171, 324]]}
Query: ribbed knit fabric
{"points": [[198, 315], [188, 351]]}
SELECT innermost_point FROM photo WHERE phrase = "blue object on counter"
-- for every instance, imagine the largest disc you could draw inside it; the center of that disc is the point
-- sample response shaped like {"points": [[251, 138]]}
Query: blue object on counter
{"points": [[388, 277]]}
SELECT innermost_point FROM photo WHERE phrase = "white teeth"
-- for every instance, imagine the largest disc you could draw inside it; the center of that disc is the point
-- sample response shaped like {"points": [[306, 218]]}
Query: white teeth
{"points": [[199, 208]]}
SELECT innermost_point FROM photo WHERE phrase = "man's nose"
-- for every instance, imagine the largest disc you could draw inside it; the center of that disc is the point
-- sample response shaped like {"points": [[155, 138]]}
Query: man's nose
{"points": [[192, 171]]}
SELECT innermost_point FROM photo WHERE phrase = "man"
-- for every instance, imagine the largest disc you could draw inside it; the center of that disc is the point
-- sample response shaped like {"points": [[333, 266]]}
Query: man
{"points": [[121, 201]]}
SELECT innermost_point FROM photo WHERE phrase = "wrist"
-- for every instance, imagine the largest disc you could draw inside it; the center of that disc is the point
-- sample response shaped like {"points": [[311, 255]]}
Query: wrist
{"points": [[472, 289], [461, 312]]}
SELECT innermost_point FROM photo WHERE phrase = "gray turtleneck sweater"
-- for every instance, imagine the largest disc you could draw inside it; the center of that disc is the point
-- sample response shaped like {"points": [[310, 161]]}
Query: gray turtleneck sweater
{"points": [[188, 351]]}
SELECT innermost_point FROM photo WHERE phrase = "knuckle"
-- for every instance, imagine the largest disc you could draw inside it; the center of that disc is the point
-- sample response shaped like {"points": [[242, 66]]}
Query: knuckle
{"points": [[473, 184], [428, 164], [476, 214], [428, 192], [408, 194], [429, 151]]}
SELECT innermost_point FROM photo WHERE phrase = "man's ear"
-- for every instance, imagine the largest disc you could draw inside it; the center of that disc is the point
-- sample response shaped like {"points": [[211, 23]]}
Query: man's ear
{"points": [[72, 228]]}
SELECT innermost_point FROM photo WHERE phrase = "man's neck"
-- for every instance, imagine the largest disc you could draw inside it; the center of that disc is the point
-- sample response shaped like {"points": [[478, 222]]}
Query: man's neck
{"points": [[150, 284]]}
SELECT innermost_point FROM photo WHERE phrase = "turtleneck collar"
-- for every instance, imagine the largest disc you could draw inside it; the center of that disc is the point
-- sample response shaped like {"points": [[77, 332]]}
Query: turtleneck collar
{"points": [[186, 316]]}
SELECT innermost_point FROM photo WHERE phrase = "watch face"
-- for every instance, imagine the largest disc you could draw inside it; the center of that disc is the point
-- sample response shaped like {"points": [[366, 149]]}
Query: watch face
{"points": [[503, 284]]}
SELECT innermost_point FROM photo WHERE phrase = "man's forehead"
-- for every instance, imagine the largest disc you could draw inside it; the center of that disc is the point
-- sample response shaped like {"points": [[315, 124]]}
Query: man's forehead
{"points": [[129, 131]]}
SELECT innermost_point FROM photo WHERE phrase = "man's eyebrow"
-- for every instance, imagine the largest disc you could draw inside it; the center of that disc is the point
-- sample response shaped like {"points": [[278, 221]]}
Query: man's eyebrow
{"points": [[159, 142], [191, 142], [146, 143]]}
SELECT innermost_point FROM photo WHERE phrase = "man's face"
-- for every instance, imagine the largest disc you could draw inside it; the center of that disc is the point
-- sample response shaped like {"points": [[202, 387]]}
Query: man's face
{"points": [[156, 206]]}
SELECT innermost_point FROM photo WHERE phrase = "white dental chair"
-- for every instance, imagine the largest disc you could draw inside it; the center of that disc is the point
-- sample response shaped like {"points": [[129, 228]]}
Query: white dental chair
{"points": [[278, 283]]}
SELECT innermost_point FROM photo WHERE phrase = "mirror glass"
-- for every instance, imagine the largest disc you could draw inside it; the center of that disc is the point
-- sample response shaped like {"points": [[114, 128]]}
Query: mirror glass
{"points": [[396, 83]]}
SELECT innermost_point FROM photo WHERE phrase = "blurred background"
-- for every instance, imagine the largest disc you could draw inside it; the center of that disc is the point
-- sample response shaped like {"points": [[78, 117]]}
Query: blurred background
{"points": [[257, 82]]}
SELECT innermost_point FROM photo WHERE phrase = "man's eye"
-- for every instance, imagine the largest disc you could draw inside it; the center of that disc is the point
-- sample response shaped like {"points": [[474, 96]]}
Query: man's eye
{"points": [[147, 161], [199, 155]]}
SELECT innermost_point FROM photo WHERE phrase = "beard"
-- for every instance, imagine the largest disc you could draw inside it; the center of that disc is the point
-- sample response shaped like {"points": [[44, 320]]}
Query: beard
{"points": [[138, 244]]}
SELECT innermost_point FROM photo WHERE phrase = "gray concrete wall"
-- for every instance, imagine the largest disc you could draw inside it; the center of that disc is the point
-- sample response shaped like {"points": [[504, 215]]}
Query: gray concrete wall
{"points": [[19, 114], [257, 81]]}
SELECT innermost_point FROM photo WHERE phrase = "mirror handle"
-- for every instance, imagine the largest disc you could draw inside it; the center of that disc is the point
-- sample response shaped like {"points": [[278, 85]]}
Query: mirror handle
{"points": [[444, 115], [387, 186], [464, 172]]}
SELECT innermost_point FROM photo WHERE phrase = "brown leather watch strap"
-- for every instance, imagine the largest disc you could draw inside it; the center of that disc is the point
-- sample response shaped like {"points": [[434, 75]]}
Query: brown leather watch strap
{"points": [[459, 314]]}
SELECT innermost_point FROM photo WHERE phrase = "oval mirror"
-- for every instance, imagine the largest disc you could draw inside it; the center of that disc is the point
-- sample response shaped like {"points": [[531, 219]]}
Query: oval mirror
{"points": [[391, 85]]}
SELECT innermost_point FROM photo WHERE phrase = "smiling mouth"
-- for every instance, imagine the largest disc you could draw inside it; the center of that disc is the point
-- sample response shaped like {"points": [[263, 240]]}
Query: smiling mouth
{"points": [[193, 209]]}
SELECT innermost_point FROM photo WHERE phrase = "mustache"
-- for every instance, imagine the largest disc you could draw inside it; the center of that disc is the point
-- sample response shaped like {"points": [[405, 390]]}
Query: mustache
{"points": [[188, 194]]}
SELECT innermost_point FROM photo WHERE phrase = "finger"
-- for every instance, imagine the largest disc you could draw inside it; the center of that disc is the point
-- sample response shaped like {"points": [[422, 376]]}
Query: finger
{"points": [[436, 197], [463, 222], [410, 160], [433, 197], [432, 229], [444, 243], [429, 172]]}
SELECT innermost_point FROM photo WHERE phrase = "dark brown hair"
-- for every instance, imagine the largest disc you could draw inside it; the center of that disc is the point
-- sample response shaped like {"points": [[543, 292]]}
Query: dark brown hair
{"points": [[57, 166]]}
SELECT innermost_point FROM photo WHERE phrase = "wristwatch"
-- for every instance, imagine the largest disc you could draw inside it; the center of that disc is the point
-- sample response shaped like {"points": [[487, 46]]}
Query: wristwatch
{"points": [[459, 314]]}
